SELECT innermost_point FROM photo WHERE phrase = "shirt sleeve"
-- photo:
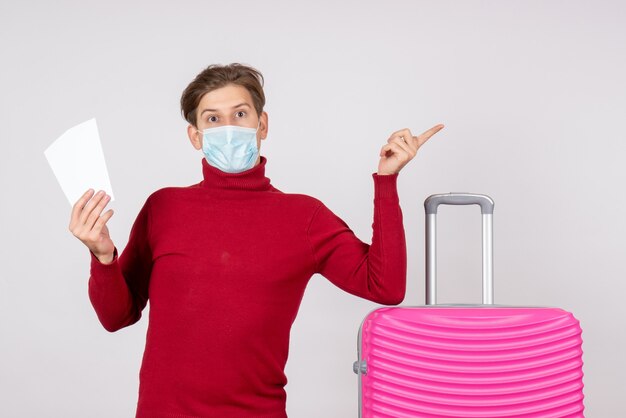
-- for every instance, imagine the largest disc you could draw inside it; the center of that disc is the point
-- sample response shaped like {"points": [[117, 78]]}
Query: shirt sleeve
{"points": [[375, 271], [119, 291]]}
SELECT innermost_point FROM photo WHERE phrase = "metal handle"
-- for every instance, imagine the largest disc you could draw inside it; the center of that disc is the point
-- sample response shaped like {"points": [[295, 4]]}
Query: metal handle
{"points": [[430, 205]]}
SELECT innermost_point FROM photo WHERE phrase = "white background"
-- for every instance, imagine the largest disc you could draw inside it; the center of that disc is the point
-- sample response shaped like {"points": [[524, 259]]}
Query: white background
{"points": [[533, 96]]}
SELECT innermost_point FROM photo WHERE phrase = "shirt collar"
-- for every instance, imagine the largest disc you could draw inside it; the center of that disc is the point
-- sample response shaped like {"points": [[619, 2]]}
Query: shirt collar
{"points": [[252, 179]]}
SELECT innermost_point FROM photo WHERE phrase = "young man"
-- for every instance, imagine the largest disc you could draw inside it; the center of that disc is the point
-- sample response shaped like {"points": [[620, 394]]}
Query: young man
{"points": [[225, 262]]}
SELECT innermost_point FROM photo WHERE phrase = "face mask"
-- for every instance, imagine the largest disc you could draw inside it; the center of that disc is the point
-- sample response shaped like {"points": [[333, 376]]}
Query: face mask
{"points": [[230, 148]]}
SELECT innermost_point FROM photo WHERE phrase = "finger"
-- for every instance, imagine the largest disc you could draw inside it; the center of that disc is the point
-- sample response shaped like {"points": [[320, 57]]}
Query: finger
{"points": [[410, 141], [406, 132], [405, 146], [386, 149], [407, 136], [78, 206], [424, 136], [396, 151], [95, 213], [402, 133], [97, 228], [405, 139], [89, 207]]}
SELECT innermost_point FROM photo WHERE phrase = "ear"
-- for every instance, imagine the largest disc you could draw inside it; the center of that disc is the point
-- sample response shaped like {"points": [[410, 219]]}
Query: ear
{"points": [[194, 136], [264, 125]]}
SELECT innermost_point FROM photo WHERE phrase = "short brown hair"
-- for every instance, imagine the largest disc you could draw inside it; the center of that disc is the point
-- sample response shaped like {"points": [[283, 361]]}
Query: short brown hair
{"points": [[216, 76]]}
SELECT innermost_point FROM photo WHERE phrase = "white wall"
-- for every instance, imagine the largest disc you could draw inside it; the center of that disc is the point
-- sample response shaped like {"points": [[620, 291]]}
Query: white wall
{"points": [[533, 96]]}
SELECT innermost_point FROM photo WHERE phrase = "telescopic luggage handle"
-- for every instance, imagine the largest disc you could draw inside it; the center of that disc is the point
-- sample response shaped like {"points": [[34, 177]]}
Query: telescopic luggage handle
{"points": [[486, 206]]}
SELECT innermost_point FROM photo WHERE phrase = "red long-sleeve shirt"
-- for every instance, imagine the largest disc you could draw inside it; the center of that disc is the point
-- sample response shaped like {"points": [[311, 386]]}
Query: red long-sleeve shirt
{"points": [[225, 263]]}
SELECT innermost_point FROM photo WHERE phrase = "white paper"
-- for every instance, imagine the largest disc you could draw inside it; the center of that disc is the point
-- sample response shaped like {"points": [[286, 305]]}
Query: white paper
{"points": [[77, 160]]}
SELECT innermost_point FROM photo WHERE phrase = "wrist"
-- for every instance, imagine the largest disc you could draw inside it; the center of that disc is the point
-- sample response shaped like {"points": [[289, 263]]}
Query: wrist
{"points": [[106, 258]]}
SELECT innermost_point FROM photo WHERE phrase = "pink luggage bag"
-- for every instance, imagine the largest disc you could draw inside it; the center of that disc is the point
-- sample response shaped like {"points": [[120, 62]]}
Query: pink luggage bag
{"points": [[479, 361]]}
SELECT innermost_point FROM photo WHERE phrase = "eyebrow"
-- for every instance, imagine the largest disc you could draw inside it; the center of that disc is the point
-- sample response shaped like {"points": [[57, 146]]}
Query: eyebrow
{"points": [[234, 107]]}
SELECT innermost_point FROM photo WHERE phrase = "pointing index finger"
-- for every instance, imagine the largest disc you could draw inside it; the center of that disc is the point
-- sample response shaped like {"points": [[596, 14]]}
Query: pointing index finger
{"points": [[423, 137]]}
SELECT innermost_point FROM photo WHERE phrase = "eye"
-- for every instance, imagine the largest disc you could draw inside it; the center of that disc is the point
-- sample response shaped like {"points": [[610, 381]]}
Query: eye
{"points": [[210, 119], [241, 111]]}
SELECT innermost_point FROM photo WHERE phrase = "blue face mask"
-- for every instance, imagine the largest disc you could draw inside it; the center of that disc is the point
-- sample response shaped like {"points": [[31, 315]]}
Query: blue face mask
{"points": [[230, 148]]}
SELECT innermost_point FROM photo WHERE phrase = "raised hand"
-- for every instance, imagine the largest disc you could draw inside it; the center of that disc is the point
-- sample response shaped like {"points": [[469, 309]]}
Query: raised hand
{"points": [[401, 147]]}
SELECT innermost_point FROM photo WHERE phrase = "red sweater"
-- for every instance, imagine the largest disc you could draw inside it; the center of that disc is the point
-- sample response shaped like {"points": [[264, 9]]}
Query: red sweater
{"points": [[225, 263]]}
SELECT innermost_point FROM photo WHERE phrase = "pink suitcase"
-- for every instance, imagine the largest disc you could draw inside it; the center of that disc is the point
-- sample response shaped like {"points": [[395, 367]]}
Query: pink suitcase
{"points": [[478, 361]]}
